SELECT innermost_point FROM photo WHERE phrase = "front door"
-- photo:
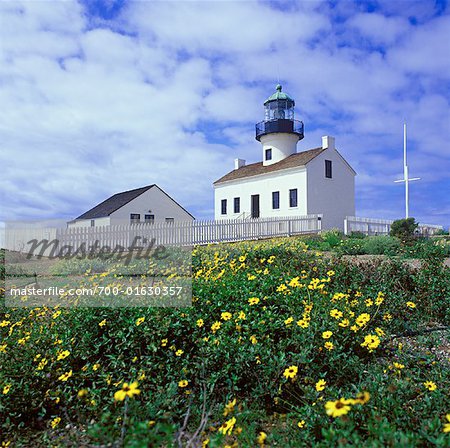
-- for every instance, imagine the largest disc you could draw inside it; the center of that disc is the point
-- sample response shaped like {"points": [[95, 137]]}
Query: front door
{"points": [[255, 205]]}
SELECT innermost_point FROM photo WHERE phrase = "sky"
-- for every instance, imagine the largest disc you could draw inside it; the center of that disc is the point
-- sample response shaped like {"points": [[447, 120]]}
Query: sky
{"points": [[99, 97]]}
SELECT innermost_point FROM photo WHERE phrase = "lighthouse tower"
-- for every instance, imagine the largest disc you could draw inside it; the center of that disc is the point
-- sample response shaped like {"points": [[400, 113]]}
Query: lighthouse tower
{"points": [[279, 132]]}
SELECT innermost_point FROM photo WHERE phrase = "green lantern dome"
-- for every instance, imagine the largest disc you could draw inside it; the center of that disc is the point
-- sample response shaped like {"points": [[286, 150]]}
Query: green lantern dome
{"points": [[279, 95]]}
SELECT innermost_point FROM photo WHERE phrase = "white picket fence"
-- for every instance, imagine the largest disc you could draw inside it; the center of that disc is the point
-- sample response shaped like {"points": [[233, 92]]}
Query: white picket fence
{"points": [[168, 234], [371, 226]]}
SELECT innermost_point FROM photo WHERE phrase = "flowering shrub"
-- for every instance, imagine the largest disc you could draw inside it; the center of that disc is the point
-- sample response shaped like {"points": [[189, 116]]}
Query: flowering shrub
{"points": [[281, 345]]}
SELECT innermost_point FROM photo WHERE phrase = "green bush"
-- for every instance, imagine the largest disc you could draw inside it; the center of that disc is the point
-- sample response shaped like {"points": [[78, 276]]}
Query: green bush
{"points": [[357, 234], [275, 301], [381, 245], [404, 229], [332, 237]]}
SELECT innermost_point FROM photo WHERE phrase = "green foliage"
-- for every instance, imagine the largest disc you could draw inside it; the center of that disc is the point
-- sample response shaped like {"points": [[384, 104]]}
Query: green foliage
{"points": [[404, 228], [244, 358], [357, 234]]}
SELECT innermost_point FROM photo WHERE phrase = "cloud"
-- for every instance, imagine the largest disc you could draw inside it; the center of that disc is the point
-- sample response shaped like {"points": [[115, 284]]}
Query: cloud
{"points": [[100, 101], [377, 28]]}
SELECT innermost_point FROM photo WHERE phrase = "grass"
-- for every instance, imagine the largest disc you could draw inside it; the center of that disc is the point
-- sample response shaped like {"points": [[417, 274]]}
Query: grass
{"points": [[243, 366]]}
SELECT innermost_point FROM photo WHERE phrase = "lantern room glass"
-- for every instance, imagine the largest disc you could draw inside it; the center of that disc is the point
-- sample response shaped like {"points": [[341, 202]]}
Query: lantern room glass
{"points": [[279, 109]]}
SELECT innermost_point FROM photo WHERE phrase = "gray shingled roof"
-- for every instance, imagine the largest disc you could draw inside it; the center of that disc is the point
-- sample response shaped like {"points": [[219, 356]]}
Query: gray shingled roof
{"points": [[254, 169], [113, 203]]}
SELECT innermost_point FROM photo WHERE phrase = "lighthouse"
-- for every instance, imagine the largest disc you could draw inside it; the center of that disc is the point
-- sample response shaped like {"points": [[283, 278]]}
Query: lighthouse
{"points": [[279, 132], [285, 182]]}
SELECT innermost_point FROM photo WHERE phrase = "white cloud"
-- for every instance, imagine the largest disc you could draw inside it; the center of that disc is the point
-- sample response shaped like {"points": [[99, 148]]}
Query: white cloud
{"points": [[378, 28], [93, 107]]}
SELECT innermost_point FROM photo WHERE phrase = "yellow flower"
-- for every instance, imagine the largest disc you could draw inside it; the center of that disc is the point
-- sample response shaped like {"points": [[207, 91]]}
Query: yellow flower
{"points": [[183, 383], [3, 348], [253, 300], [215, 326], [368, 302], [362, 397], [430, 385], [337, 408], [362, 319], [164, 342], [447, 425], [6, 389], [4, 323], [379, 331], [229, 407], [226, 315], [336, 313], [242, 258], [371, 342], [65, 376], [128, 390], [380, 299], [140, 321], [251, 277], [241, 315], [261, 438], [387, 316], [253, 339], [330, 273], [399, 366], [303, 323], [301, 424], [344, 323], [179, 352], [329, 345], [228, 426], [95, 367], [289, 321], [327, 334], [320, 385], [82, 393], [62, 355], [200, 323], [102, 323], [291, 372], [42, 364], [294, 282], [56, 314], [410, 304], [55, 422]]}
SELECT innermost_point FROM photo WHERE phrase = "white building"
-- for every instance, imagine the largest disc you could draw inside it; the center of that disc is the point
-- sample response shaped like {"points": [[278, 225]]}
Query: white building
{"points": [[287, 182], [143, 205]]}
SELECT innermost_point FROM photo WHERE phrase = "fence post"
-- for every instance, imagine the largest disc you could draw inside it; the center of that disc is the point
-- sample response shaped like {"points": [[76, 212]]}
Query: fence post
{"points": [[346, 225]]}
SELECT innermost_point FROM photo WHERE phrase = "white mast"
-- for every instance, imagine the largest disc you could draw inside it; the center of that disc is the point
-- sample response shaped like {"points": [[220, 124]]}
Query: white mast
{"points": [[406, 177]]}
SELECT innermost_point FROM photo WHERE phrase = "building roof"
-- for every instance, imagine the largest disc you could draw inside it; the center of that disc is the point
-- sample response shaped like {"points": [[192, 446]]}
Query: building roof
{"points": [[254, 169], [278, 95], [113, 203]]}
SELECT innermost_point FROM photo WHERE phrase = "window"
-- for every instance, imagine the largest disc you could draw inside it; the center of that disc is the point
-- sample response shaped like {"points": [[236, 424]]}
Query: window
{"points": [[92, 222], [275, 200], [149, 219], [328, 169], [135, 218], [293, 198], [224, 207], [269, 154], [170, 220], [237, 205]]}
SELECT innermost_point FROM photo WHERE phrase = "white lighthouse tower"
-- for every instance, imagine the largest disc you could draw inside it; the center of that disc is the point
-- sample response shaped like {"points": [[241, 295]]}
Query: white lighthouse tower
{"points": [[279, 132], [285, 182]]}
